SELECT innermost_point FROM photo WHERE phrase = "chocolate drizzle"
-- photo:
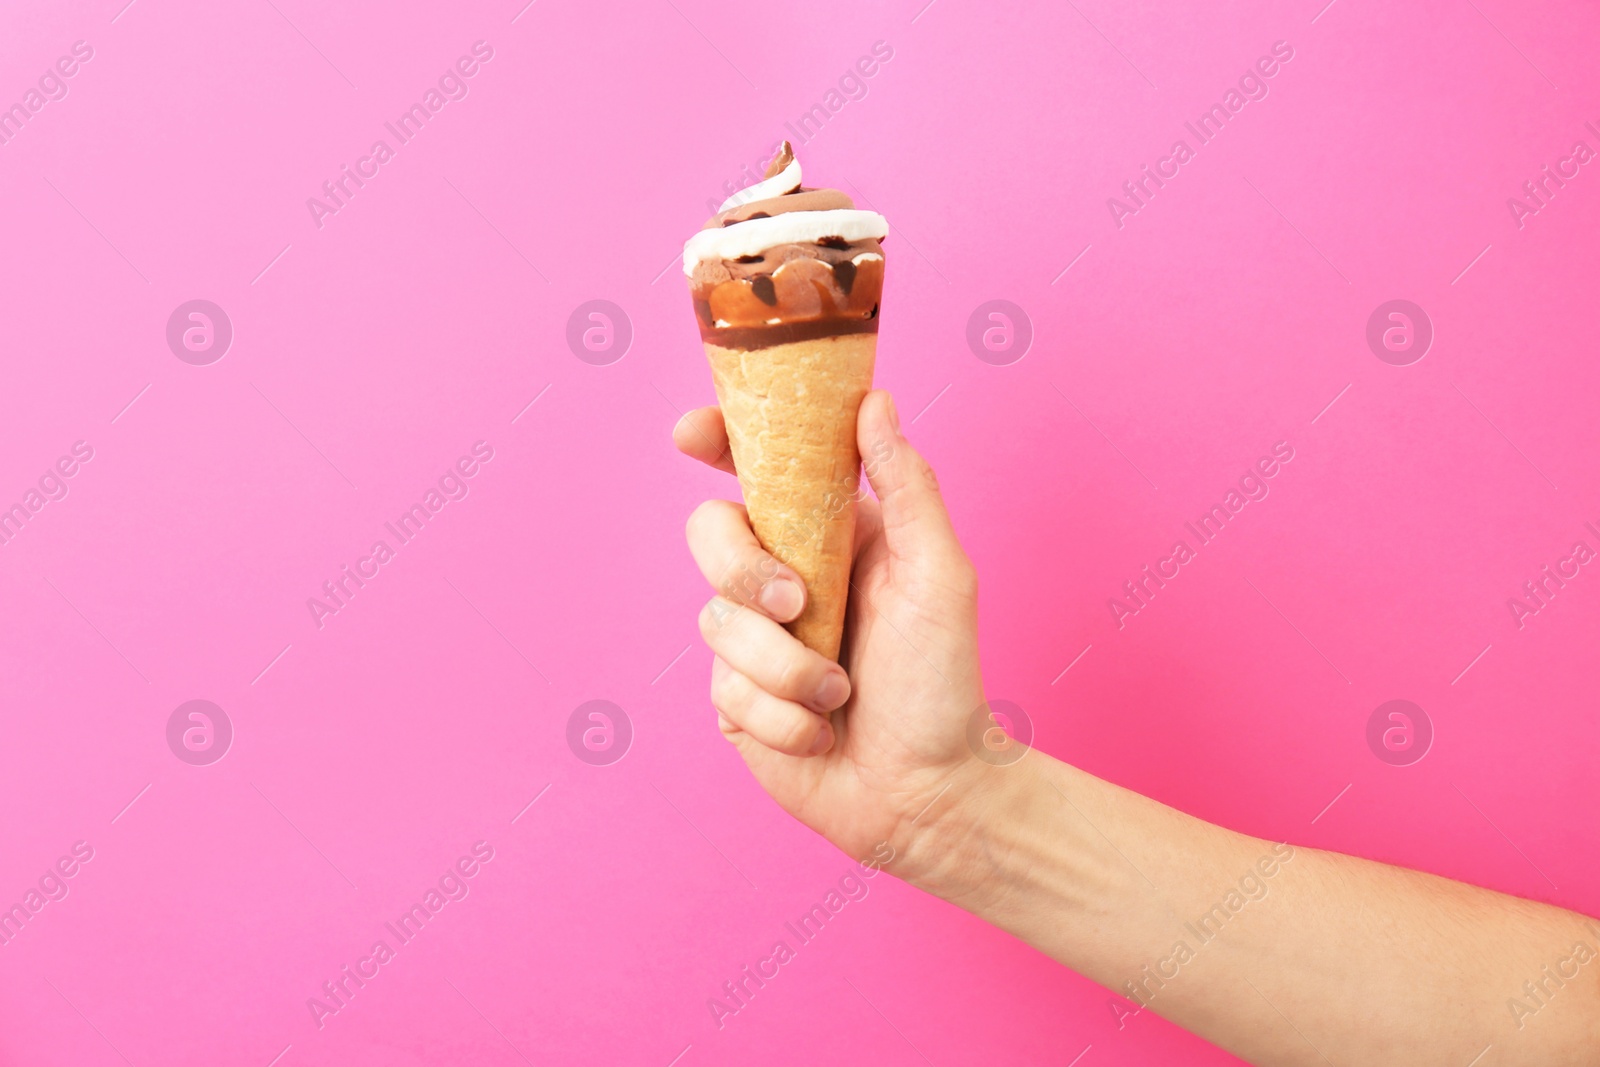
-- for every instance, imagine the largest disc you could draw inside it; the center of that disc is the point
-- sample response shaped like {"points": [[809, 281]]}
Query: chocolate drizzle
{"points": [[844, 272]]}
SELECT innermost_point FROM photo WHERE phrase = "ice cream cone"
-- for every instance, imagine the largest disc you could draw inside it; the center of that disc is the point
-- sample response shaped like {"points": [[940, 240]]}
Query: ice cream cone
{"points": [[786, 284], [791, 410]]}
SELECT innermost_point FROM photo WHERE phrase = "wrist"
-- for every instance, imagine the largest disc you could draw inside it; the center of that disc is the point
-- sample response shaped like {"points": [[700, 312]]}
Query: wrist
{"points": [[1025, 848], [970, 846]]}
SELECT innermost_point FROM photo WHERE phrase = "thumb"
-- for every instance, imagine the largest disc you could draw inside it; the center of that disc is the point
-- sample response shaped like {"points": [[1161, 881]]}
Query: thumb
{"points": [[915, 522]]}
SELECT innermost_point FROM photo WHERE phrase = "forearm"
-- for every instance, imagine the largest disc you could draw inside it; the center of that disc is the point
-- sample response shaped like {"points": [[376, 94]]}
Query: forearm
{"points": [[1282, 955]]}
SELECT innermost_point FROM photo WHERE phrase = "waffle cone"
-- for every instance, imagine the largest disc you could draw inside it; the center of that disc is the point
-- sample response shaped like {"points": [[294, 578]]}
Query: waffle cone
{"points": [[791, 410]]}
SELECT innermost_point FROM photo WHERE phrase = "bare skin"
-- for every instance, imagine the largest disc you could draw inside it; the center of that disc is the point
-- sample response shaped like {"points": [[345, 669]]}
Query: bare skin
{"points": [[1282, 955]]}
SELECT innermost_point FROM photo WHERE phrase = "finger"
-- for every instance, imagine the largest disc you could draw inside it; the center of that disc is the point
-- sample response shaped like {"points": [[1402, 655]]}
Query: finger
{"points": [[869, 524], [733, 561], [915, 522], [772, 658], [778, 724], [701, 435]]}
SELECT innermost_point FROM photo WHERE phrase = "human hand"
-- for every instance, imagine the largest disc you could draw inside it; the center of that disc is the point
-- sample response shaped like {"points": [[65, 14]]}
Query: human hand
{"points": [[858, 758]]}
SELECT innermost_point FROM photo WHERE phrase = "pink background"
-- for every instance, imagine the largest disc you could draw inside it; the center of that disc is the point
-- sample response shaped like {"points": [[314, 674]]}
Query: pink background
{"points": [[370, 353]]}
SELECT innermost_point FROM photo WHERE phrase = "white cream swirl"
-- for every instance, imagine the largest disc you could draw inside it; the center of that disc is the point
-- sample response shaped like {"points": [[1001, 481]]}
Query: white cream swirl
{"points": [[786, 181]]}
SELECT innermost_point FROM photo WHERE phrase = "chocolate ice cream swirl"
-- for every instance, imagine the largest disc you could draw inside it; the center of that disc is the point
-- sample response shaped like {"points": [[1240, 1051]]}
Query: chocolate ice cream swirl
{"points": [[783, 263]]}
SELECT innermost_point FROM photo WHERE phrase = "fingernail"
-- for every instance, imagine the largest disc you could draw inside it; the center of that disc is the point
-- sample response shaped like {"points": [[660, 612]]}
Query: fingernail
{"points": [[894, 415], [782, 599], [834, 691], [823, 742]]}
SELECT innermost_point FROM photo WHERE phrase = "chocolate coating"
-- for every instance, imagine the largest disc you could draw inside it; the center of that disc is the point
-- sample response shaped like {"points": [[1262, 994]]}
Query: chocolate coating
{"points": [[792, 291]]}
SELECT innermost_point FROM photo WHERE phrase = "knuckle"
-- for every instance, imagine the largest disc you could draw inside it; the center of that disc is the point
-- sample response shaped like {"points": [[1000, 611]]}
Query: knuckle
{"points": [[797, 734], [793, 674], [697, 518], [713, 617], [702, 522], [742, 581], [762, 564], [725, 691], [783, 683], [891, 482]]}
